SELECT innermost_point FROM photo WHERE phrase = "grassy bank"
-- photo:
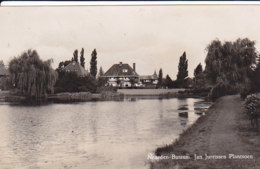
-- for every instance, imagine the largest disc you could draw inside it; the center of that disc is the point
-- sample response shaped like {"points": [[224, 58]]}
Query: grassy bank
{"points": [[165, 93], [224, 130], [8, 96], [120, 94], [85, 96], [66, 97], [148, 92]]}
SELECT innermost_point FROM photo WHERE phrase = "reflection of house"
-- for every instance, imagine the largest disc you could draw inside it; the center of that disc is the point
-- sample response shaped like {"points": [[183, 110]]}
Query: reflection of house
{"points": [[76, 67], [122, 75], [149, 80]]}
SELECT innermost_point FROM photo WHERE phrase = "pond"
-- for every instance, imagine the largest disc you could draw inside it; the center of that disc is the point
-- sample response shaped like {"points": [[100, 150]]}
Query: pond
{"points": [[94, 135]]}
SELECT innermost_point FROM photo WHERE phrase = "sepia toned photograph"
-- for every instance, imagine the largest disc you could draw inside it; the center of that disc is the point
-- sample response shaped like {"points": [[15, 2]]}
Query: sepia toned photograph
{"points": [[130, 87]]}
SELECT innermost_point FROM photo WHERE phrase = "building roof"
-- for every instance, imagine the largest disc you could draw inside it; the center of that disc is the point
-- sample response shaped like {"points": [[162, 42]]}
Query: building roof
{"points": [[119, 70], [146, 77], [3, 70], [76, 67]]}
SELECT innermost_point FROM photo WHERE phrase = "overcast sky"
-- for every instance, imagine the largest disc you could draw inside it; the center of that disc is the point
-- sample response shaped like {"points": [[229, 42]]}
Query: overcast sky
{"points": [[151, 36]]}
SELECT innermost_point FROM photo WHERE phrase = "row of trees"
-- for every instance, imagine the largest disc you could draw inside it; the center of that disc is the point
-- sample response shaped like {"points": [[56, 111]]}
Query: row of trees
{"points": [[182, 79], [82, 58], [93, 61], [70, 82], [231, 67]]}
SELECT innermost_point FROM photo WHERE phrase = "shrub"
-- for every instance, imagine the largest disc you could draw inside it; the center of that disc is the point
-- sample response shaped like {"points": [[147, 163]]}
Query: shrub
{"points": [[105, 89], [222, 89], [70, 82]]}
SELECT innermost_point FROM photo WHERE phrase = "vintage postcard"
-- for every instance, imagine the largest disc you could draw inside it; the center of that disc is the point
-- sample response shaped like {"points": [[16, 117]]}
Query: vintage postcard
{"points": [[152, 86]]}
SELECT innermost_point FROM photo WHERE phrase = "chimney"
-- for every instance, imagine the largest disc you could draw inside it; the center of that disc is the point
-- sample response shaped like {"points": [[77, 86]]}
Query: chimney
{"points": [[134, 66], [120, 63]]}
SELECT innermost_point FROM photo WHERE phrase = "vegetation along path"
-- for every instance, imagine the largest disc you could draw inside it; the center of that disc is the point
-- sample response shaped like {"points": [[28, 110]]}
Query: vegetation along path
{"points": [[224, 134]]}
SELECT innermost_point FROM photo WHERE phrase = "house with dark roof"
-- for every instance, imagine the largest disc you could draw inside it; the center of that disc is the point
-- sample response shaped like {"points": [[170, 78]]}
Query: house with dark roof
{"points": [[77, 68], [122, 75]]}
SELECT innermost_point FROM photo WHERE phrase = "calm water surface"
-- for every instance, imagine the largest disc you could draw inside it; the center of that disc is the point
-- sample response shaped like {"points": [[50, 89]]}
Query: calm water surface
{"points": [[94, 135]]}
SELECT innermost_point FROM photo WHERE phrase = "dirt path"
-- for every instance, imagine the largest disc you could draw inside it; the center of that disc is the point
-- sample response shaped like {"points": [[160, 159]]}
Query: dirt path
{"points": [[224, 130], [224, 138]]}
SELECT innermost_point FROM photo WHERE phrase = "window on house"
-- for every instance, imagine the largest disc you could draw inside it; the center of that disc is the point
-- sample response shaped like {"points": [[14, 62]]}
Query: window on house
{"points": [[125, 70]]}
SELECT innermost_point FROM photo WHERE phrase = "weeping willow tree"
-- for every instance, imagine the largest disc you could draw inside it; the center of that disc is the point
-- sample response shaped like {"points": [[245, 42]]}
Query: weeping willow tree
{"points": [[33, 77], [231, 63]]}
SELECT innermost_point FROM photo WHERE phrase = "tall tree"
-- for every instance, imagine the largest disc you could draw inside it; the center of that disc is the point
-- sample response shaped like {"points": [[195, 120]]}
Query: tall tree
{"points": [[182, 68], [182, 71], [160, 77], [101, 72], [199, 77], [82, 58], [101, 80], [168, 81], [198, 70], [75, 56], [230, 62], [31, 76], [93, 63], [229, 66]]}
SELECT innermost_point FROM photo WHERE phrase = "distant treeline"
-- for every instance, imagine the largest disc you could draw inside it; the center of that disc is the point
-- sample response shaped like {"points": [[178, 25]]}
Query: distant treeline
{"points": [[231, 67]]}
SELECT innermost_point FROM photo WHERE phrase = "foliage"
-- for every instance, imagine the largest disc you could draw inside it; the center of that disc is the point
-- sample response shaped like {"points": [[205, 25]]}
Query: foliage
{"points": [[93, 63], [252, 106], [82, 58], [199, 77], [70, 82], [168, 82], [188, 83], [31, 76], [231, 63], [66, 62], [101, 72], [104, 89], [101, 81], [63, 64], [200, 81], [222, 89], [182, 69], [198, 70], [160, 78], [5, 83], [256, 78], [75, 56]]}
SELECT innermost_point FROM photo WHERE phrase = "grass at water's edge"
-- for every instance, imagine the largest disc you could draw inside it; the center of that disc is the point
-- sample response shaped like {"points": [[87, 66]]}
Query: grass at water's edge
{"points": [[66, 97]]}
